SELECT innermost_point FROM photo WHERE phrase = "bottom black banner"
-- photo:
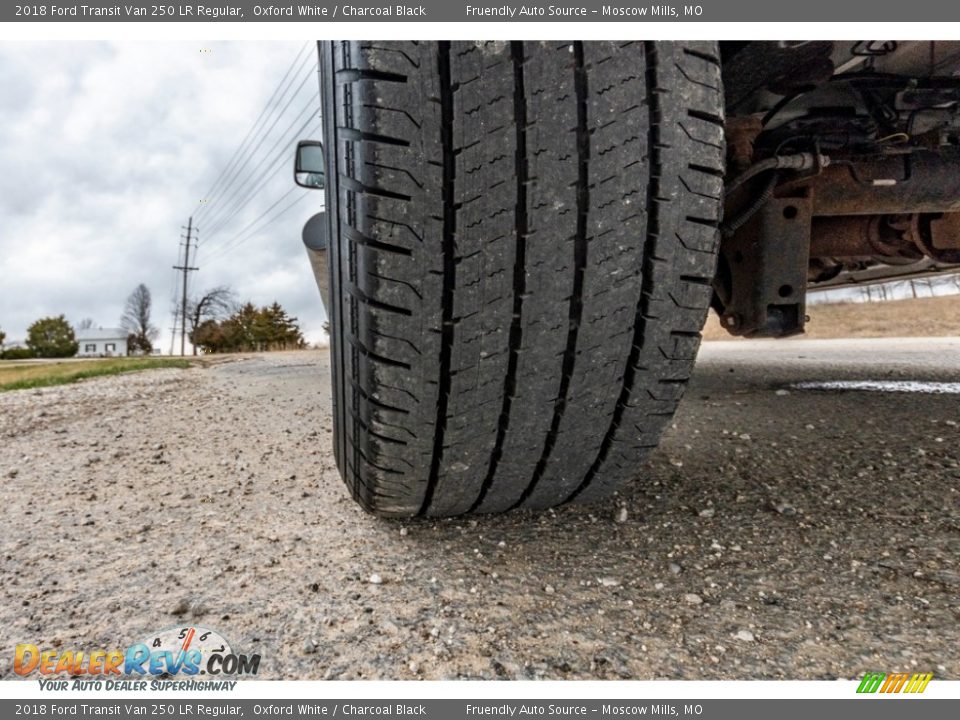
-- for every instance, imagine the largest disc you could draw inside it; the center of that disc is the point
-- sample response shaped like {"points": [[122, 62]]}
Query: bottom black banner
{"points": [[873, 707]]}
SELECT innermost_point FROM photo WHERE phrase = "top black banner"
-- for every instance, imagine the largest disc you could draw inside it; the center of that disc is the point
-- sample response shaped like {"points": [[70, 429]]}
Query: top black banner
{"points": [[479, 11]]}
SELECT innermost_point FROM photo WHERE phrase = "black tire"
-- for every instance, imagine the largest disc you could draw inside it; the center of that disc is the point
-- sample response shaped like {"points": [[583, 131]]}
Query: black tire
{"points": [[524, 236]]}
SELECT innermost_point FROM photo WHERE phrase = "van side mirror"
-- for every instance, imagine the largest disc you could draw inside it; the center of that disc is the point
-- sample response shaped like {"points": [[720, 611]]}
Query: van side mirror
{"points": [[309, 168]]}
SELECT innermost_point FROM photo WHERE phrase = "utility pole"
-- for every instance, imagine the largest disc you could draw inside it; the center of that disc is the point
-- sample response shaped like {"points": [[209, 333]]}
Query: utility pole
{"points": [[176, 310], [186, 270]]}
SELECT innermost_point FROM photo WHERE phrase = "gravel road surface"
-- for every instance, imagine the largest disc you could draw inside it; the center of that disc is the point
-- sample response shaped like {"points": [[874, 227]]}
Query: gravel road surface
{"points": [[778, 532]]}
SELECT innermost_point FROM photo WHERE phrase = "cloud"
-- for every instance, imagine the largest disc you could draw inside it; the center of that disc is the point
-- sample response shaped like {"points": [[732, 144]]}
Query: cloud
{"points": [[107, 149]]}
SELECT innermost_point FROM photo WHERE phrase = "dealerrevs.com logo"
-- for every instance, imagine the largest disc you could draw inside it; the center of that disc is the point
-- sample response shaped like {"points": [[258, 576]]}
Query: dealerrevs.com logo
{"points": [[186, 652]]}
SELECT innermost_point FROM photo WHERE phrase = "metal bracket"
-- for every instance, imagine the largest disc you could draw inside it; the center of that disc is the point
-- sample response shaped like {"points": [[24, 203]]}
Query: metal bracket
{"points": [[767, 259]]}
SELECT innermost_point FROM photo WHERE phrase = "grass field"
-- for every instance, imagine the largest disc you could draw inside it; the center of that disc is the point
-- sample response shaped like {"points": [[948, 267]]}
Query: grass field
{"points": [[23, 375], [919, 317]]}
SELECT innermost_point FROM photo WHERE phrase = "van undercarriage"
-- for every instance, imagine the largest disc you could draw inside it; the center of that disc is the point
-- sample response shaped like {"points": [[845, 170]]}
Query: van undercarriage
{"points": [[843, 166]]}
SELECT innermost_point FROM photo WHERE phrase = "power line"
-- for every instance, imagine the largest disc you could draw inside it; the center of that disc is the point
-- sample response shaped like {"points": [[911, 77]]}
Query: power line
{"points": [[277, 153], [245, 234], [232, 241], [228, 195], [278, 94], [236, 154], [251, 153], [248, 172], [284, 142]]}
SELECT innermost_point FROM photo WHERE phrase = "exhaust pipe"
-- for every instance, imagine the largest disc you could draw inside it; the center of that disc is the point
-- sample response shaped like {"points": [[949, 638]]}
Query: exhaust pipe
{"points": [[315, 241]]}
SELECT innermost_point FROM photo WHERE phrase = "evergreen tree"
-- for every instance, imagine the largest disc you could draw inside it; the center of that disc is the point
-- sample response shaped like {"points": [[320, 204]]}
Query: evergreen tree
{"points": [[250, 329]]}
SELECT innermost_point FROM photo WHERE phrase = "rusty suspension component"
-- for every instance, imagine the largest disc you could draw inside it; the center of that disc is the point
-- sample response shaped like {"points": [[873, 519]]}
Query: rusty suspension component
{"points": [[896, 208], [888, 238], [920, 181]]}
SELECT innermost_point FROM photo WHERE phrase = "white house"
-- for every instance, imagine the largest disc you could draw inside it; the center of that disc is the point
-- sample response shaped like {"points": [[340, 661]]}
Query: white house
{"points": [[102, 342]]}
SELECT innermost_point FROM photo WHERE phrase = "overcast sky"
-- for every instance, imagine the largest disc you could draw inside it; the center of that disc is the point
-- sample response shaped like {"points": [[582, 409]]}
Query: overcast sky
{"points": [[107, 148]]}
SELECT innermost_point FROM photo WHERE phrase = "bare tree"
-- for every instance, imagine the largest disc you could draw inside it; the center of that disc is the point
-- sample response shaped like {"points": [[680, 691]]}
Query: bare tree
{"points": [[215, 304], [85, 324], [136, 321]]}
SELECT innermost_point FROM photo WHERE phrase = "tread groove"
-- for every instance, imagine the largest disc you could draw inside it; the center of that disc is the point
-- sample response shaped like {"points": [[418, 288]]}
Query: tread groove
{"points": [[715, 172], [349, 133], [449, 267], [580, 263], [351, 75], [702, 55], [705, 116], [378, 304], [361, 239], [359, 187], [653, 229], [519, 269], [376, 357]]}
